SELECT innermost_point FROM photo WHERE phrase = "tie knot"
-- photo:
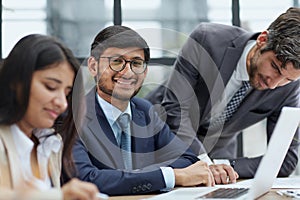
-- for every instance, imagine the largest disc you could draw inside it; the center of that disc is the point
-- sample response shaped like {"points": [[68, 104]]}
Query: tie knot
{"points": [[246, 85], [123, 121]]}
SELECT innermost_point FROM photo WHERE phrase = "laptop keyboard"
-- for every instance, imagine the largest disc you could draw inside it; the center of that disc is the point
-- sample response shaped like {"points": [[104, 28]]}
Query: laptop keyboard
{"points": [[225, 193]]}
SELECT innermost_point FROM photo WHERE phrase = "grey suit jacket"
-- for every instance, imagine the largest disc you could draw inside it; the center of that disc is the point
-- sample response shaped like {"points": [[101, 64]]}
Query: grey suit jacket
{"points": [[202, 70]]}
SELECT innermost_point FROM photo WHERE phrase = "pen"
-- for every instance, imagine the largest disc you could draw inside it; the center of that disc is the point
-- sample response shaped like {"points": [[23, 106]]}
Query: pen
{"points": [[102, 195], [280, 193]]}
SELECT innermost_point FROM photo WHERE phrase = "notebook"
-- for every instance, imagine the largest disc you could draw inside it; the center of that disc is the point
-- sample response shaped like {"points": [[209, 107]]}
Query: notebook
{"points": [[267, 171]]}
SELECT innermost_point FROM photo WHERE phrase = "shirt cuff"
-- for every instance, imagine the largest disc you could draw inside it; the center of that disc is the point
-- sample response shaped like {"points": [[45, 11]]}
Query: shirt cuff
{"points": [[204, 157], [169, 177], [221, 161]]}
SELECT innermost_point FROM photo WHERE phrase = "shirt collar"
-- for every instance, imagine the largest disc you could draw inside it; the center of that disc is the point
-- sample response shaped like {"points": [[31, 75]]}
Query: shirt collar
{"points": [[48, 141], [241, 70], [111, 112], [23, 143]]}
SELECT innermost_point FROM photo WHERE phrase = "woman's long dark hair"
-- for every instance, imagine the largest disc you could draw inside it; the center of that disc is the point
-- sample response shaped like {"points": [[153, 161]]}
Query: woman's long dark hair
{"points": [[32, 53]]}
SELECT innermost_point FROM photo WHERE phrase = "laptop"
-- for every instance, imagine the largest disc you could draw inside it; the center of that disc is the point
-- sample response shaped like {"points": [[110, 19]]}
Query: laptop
{"points": [[266, 173]]}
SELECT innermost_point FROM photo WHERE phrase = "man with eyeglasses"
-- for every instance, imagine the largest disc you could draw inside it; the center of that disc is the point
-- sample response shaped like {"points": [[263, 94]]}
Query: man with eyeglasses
{"points": [[124, 147]]}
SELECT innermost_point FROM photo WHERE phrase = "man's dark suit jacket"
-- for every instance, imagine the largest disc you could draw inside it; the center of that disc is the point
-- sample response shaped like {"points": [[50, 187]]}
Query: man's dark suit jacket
{"points": [[98, 158], [202, 71]]}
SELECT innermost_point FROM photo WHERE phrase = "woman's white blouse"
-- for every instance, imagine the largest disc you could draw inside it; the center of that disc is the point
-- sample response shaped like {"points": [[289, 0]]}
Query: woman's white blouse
{"points": [[24, 146]]}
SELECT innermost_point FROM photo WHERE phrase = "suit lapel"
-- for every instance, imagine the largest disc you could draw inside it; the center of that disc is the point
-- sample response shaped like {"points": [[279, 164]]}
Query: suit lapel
{"points": [[232, 56], [137, 124], [227, 67], [12, 155], [98, 132], [142, 137]]}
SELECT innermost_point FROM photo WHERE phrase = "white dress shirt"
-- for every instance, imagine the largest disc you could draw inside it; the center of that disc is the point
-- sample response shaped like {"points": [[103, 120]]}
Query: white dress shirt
{"points": [[24, 146]]}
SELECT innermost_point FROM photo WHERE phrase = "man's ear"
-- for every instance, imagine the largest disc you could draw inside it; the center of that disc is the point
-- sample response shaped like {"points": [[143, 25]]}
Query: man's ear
{"points": [[92, 65], [146, 71], [262, 38]]}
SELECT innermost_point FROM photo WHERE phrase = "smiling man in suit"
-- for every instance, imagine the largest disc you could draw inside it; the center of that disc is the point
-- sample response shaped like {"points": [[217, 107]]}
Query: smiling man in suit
{"points": [[124, 147], [227, 79]]}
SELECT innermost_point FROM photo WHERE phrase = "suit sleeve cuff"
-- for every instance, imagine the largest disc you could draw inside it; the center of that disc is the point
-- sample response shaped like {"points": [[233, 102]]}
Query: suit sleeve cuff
{"points": [[169, 177], [222, 161]]}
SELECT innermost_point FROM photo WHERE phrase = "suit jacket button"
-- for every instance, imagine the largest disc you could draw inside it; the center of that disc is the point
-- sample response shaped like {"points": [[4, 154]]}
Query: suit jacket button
{"points": [[134, 190], [140, 188], [148, 186], [144, 188]]}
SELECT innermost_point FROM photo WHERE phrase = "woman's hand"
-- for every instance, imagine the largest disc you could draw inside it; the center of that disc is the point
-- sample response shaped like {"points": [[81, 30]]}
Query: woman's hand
{"points": [[79, 190]]}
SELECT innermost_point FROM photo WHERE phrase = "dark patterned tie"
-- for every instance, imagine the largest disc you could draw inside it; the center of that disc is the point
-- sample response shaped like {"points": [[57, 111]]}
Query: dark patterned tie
{"points": [[232, 105], [125, 141]]}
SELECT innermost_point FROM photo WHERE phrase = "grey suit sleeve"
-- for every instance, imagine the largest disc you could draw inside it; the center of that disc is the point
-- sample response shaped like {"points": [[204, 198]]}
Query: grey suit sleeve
{"points": [[193, 67], [246, 167]]}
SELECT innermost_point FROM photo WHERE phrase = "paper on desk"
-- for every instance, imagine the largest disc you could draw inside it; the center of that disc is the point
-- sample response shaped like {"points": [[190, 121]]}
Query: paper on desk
{"points": [[284, 183], [291, 182]]}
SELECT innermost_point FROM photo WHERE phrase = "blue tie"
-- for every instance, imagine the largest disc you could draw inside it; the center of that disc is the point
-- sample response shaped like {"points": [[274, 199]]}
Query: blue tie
{"points": [[125, 142], [232, 106]]}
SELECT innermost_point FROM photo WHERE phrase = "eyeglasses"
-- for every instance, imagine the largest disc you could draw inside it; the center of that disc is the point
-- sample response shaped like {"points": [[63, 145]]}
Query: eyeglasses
{"points": [[117, 64]]}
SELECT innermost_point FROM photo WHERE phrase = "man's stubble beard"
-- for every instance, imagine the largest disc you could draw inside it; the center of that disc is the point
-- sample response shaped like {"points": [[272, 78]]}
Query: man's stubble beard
{"points": [[252, 73], [115, 94]]}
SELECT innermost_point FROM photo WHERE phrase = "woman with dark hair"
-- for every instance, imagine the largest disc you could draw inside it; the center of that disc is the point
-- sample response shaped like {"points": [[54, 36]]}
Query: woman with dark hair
{"points": [[36, 81]]}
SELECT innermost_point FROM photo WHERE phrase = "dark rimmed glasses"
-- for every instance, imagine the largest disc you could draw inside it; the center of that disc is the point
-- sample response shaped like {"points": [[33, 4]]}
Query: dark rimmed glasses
{"points": [[117, 64]]}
